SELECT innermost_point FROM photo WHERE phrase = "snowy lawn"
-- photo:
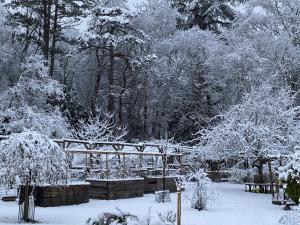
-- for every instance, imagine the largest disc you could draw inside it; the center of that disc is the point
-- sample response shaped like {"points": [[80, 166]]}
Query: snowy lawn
{"points": [[235, 207]]}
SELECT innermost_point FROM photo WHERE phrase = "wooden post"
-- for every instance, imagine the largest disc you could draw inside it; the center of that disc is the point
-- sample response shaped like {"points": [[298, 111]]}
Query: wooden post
{"points": [[140, 162], [271, 177], [164, 171], [67, 167], [124, 166], [180, 163], [178, 206], [68, 161], [106, 160], [86, 164], [26, 203], [153, 165]]}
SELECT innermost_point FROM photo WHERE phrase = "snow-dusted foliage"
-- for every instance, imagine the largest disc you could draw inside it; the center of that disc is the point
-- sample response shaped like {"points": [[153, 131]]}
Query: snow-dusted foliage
{"points": [[30, 158], [110, 26], [289, 174], [157, 19], [240, 176], [33, 103], [100, 127], [204, 194], [121, 218], [292, 168], [208, 15], [264, 123]]}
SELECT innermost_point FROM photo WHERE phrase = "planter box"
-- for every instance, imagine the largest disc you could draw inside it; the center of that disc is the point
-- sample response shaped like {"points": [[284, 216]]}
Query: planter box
{"points": [[116, 189], [9, 198], [153, 184], [74, 194]]}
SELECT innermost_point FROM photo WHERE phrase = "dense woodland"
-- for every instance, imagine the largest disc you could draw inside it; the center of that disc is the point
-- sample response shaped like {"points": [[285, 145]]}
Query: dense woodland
{"points": [[191, 70]]}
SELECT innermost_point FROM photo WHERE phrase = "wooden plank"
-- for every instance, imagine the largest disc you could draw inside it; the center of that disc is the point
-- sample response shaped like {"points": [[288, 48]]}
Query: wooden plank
{"points": [[9, 198], [60, 196], [100, 152], [117, 189]]}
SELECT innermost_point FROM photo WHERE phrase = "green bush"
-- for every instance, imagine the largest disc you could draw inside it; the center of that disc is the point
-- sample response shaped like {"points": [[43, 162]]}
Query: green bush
{"points": [[293, 190]]}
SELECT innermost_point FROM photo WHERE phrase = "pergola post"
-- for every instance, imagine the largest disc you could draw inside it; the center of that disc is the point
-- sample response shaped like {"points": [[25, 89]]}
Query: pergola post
{"points": [[164, 158], [106, 162], [271, 177]]}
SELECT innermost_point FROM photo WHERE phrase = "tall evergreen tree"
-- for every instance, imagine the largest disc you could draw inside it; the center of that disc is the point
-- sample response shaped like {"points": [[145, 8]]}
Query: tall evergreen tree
{"points": [[40, 23], [117, 45], [206, 14]]}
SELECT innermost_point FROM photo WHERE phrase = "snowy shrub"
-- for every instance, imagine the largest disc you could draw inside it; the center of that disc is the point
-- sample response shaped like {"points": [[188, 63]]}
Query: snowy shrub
{"points": [[100, 127], [120, 218], [240, 175], [33, 103], [113, 219], [30, 158], [25, 118], [168, 217], [203, 192], [292, 218], [292, 168], [290, 174]]}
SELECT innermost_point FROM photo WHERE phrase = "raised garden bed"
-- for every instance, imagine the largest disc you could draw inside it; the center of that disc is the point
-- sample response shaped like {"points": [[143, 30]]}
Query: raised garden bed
{"points": [[9, 198], [73, 194], [116, 189], [155, 183]]}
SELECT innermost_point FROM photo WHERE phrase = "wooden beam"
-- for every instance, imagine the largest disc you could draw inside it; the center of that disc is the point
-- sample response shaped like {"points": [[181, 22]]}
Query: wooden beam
{"points": [[100, 152]]}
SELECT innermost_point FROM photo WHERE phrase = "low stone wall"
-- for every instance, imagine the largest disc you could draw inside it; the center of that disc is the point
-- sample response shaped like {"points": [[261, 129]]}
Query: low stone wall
{"points": [[74, 194], [155, 183], [116, 189]]}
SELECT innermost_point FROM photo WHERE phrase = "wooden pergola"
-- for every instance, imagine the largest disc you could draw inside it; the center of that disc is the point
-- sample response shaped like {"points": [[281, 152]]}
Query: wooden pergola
{"points": [[268, 159], [132, 149], [117, 146], [122, 155]]}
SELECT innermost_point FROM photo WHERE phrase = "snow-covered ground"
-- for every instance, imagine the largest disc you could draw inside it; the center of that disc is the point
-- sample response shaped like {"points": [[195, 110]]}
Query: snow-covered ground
{"points": [[235, 207]]}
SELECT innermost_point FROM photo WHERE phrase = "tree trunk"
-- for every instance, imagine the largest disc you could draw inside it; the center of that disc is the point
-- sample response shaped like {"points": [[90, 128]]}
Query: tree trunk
{"points": [[53, 47], [26, 46], [260, 168], [110, 104], [46, 28], [121, 95], [121, 108], [96, 96], [145, 111]]}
